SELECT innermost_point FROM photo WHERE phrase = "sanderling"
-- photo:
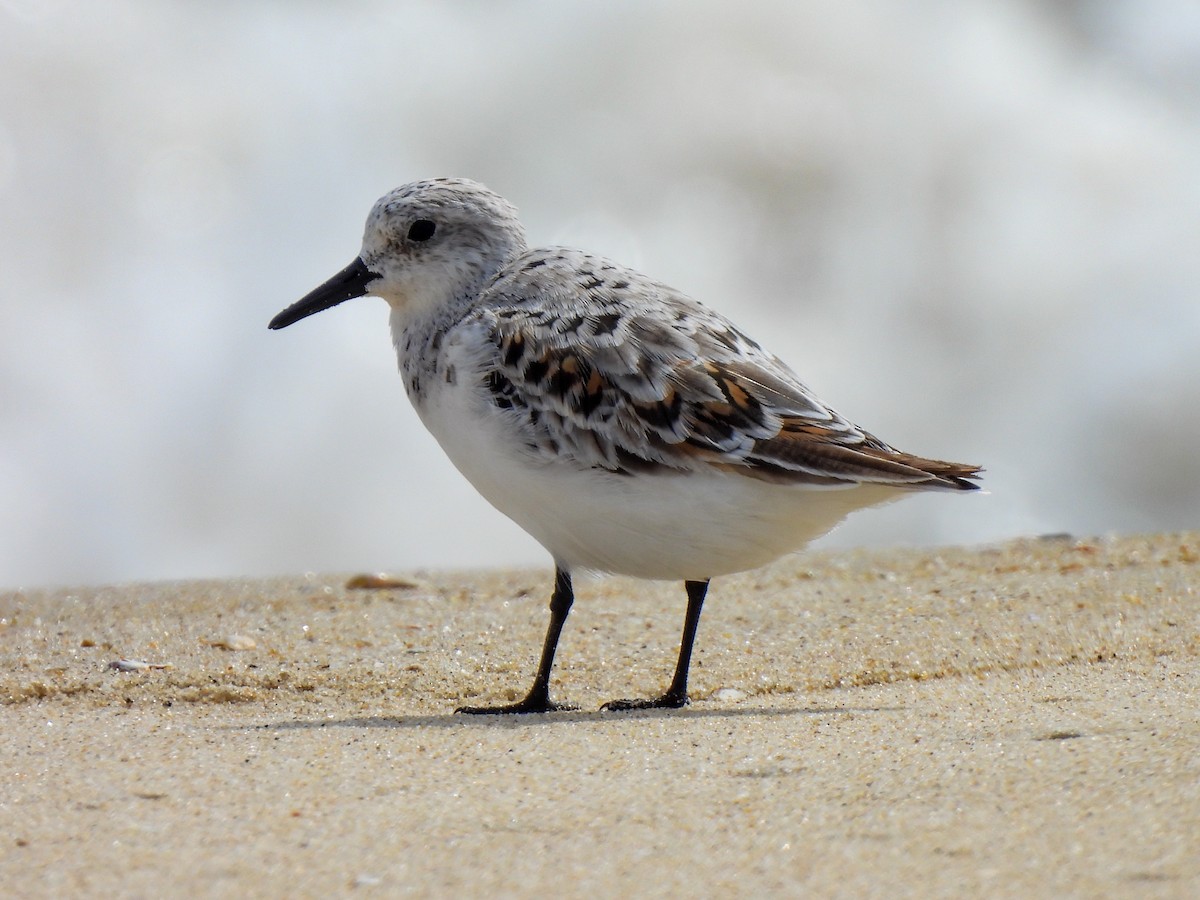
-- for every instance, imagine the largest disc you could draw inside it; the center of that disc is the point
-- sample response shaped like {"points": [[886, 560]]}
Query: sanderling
{"points": [[623, 425]]}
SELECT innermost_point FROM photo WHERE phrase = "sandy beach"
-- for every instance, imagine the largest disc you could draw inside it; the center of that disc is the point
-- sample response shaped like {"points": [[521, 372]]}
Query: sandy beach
{"points": [[1011, 721]]}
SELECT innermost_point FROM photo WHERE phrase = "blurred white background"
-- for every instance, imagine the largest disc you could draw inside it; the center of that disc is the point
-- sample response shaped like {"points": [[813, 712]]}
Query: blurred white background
{"points": [[973, 228]]}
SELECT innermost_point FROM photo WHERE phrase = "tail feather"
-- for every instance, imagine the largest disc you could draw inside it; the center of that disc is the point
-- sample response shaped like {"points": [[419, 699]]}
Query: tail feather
{"points": [[948, 475]]}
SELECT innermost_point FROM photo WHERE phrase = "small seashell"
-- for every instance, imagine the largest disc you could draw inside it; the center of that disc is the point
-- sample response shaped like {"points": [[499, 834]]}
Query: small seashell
{"points": [[135, 665], [129, 665]]}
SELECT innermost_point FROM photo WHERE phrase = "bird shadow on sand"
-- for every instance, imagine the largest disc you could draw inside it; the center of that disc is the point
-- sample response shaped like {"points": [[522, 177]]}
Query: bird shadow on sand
{"points": [[571, 717]]}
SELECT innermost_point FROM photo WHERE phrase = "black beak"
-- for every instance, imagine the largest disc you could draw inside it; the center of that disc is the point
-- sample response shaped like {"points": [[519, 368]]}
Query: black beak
{"points": [[353, 281]]}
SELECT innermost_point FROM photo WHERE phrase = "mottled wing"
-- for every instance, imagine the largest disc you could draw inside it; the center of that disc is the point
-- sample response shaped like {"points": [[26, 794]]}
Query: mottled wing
{"points": [[598, 364]]}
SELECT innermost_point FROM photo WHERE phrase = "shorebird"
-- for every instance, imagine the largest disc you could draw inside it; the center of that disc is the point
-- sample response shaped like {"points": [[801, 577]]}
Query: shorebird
{"points": [[623, 425]]}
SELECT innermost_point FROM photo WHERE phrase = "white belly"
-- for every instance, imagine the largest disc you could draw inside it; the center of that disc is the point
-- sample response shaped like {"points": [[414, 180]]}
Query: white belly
{"points": [[685, 526]]}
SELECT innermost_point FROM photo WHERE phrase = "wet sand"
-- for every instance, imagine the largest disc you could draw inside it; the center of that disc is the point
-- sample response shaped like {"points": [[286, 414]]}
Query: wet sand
{"points": [[1021, 720]]}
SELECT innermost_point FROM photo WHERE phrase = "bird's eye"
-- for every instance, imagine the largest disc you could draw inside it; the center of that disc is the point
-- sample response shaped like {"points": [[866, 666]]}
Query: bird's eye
{"points": [[421, 230]]}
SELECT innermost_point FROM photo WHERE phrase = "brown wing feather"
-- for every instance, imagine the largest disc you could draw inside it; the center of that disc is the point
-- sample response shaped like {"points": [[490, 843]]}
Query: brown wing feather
{"points": [[804, 452], [817, 446], [596, 380]]}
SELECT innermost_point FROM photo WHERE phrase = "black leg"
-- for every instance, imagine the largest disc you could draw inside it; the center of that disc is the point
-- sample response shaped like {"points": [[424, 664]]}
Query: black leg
{"points": [[538, 698], [676, 695]]}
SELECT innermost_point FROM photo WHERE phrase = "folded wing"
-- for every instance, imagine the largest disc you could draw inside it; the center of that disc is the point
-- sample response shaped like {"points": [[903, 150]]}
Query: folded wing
{"points": [[599, 376]]}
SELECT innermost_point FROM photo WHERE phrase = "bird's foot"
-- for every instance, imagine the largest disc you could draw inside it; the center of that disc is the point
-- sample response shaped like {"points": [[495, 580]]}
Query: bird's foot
{"points": [[669, 700], [530, 704]]}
